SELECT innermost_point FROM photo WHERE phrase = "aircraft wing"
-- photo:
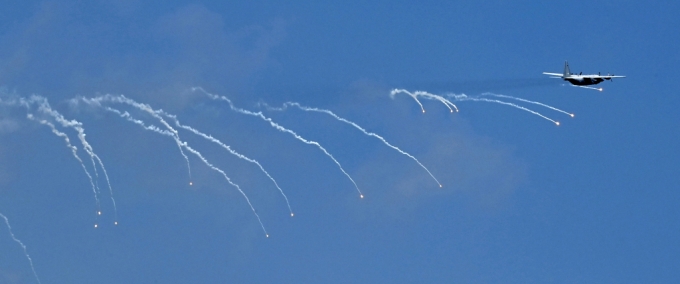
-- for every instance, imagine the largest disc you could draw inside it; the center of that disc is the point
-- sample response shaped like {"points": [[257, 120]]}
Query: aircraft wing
{"points": [[601, 76], [553, 74]]}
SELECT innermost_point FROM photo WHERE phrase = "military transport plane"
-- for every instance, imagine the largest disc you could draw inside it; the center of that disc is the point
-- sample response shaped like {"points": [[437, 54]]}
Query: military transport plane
{"points": [[579, 80]]}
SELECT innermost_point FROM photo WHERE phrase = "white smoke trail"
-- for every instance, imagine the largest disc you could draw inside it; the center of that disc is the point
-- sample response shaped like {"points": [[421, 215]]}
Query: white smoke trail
{"points": [[45, 108], [128, 117], [22, 246], [464, 97], [312, 109], [528, 101], [158, 114], [74, 150], [143, 107], [397, 91], [586, 87], [282, 129], [233, 152], [426, 95]]}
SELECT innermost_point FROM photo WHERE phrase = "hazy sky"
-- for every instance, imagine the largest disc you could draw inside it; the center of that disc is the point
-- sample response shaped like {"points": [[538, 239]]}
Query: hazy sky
{"points": [[523, 200]]}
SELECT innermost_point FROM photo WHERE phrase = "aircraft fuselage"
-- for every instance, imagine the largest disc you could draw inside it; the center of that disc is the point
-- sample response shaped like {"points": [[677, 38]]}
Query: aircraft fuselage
{"points": [[581, 81]]}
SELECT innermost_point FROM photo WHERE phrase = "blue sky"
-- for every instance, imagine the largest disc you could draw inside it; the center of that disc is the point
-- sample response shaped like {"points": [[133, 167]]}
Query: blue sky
{"points": [[593, 200]]}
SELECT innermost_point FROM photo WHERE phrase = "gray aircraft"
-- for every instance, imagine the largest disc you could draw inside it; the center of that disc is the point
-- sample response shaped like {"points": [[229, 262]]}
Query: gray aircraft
{"points": [[580, 80]]}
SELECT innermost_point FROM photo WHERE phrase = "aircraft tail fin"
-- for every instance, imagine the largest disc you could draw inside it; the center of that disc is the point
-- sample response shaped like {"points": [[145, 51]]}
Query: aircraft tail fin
{"points": [[566, 69]]}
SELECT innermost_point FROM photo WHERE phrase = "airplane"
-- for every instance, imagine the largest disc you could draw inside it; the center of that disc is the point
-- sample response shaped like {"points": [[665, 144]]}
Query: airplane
{"points": [[580, 80]]}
